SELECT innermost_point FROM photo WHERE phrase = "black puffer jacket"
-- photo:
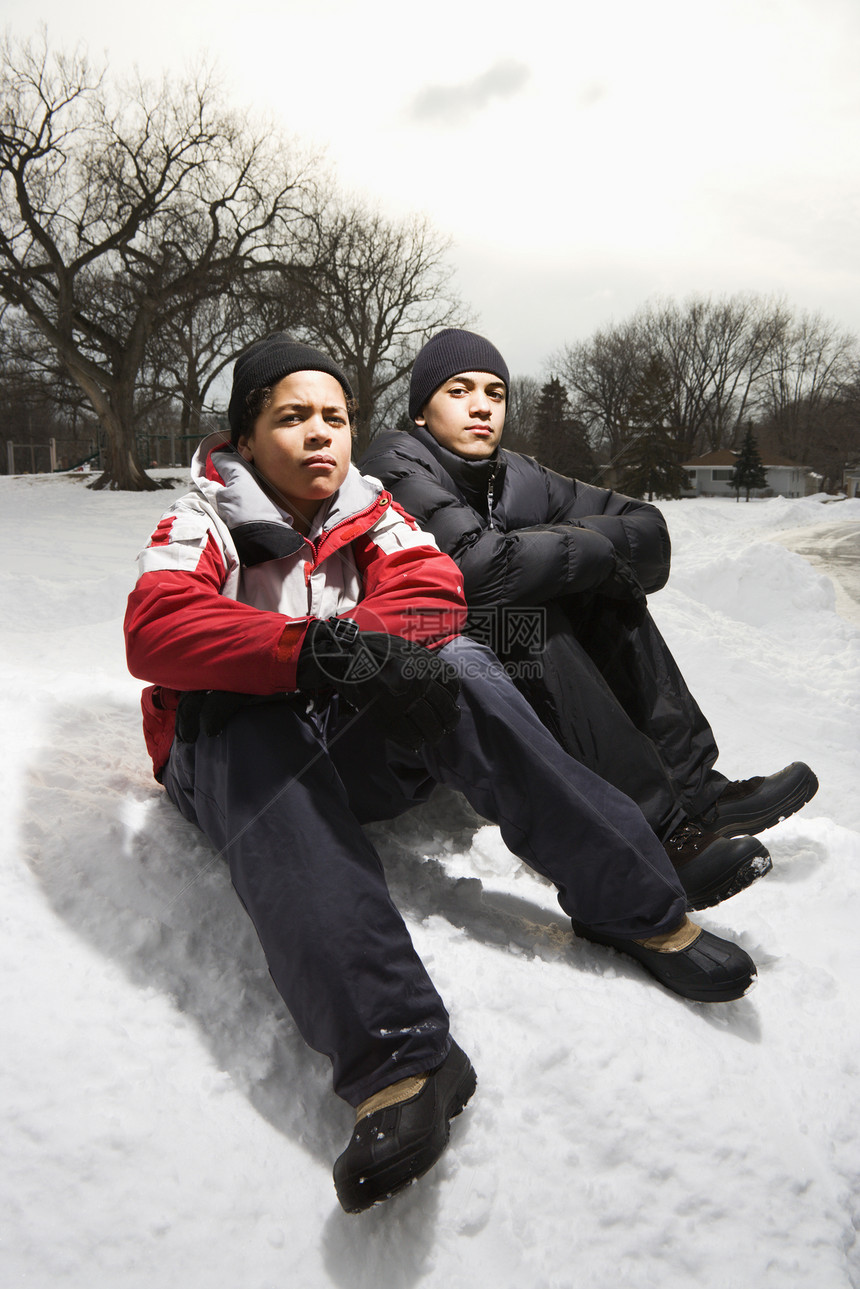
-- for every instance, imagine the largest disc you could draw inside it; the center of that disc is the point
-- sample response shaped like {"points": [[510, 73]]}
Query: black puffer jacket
{"points": [[520, 533]]}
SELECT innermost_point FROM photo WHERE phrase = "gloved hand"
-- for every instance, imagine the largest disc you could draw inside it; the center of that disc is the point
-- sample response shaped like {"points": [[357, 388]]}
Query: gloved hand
{"points": [[624, 588], [208, 710], [409, 691], [188, 712]]}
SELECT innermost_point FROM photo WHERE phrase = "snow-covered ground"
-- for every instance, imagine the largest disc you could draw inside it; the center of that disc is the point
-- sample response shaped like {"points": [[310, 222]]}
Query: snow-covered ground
{"points": [[162, 1124]]}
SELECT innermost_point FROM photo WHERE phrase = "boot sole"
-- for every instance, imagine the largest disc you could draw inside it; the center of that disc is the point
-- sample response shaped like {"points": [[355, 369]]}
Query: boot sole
{"points": [[804, 791], [380, 1182]]}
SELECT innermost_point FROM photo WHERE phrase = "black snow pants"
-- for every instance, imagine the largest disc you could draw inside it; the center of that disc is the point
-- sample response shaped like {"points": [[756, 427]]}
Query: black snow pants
{"points": [[615, 699], [282, 793]]}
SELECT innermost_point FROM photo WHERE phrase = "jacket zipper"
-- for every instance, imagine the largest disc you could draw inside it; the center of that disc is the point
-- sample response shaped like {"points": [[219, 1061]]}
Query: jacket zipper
{"points": [[347, 519], [312, 565], [490, 497]]}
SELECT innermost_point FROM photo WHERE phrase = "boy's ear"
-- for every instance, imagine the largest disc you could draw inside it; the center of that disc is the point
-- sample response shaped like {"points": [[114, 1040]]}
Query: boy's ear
{"points": [[243, 449]]}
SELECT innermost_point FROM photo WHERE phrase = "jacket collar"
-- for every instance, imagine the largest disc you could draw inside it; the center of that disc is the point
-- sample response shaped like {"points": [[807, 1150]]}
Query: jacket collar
{"points": [[261, 529], [471, 477]]}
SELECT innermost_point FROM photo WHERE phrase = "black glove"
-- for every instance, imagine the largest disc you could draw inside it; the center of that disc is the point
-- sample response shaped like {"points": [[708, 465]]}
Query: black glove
{"points": [[409, 691], [623, 587], [188, 711], [208, 710]]}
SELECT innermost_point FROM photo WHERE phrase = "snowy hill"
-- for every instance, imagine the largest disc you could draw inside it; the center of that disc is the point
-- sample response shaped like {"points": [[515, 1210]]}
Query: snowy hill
{"points": [[164, 1126]]}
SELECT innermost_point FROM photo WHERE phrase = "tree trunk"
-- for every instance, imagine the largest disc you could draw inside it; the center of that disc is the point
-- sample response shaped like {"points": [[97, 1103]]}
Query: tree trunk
{"points": [[192, 406], [364, 416], [195, 415], [361, 441], [124, 470]]}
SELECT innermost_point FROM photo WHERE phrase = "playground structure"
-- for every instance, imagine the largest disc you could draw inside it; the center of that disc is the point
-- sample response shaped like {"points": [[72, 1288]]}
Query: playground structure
{"points": [[31, 450]]}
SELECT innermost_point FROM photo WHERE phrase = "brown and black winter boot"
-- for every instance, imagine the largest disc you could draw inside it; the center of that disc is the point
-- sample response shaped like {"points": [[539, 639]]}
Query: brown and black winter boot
{"points": [[401, 1132], [752, 805], [693, 963], [713, 868]]}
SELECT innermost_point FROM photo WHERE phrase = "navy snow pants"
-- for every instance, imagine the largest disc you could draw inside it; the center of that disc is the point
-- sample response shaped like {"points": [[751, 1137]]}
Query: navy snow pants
{"points": [[283, 795]]}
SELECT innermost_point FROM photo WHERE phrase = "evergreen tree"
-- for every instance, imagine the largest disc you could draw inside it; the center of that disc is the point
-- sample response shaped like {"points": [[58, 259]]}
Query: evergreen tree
{"points": [[560, 441], [749, 471], [649, 465]]}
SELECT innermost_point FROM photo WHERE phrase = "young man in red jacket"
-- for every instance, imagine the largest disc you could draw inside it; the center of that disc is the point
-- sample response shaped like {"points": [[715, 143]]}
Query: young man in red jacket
{"points": [[556, 573], [301, 637]]}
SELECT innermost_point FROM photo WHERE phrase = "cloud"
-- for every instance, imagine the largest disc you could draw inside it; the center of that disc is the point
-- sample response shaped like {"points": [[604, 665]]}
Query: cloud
{"points": [[451, 104], [592, 93]]}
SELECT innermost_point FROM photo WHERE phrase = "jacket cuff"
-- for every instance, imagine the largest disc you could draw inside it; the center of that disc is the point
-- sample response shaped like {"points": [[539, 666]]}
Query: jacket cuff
{"points": [[287, 652], [591, 558]]}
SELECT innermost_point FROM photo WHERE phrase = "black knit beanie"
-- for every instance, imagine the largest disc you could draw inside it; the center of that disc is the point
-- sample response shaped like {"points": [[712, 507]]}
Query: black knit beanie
{"points": [[447, 354], [267, 361]]}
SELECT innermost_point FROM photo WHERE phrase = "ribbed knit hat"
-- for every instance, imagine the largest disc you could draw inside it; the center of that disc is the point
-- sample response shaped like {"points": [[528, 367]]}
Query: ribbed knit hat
{"points": [[267, 361], [447, 354]]}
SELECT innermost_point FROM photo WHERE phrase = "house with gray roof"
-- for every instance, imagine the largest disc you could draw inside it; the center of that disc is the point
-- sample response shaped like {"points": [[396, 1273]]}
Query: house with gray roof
{"points": [[710, 476]]}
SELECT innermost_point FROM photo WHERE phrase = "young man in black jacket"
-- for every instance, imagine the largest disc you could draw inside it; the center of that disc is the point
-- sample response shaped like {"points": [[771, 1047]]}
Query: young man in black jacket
{"points": [[556, 574]]}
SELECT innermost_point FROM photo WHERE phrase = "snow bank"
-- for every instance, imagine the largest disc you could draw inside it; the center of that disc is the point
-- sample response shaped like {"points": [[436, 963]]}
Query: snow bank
{"points": [[164, 1125]]}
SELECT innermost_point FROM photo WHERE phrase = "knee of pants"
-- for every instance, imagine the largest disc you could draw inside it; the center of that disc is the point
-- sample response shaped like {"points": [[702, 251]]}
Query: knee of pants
{"points": [[178, 779], [473, 661]]}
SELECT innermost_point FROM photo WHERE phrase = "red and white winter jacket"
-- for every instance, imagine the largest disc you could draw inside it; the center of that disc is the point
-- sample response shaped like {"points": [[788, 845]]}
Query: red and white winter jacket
{"points": [[227, 587]]}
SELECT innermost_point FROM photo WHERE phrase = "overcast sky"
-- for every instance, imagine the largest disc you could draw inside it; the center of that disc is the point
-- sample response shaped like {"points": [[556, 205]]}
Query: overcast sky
{"points": [[583, 157]]}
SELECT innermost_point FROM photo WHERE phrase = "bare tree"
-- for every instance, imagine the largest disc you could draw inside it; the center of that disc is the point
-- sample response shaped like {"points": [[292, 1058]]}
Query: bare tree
{"points": [[39, 400], [521, 414], [809, 380], [602, 375], [189, 354], [115, 212], [379, 290], [715, 355]]}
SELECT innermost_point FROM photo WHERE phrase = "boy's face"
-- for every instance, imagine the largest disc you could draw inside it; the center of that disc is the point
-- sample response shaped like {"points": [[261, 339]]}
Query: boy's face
{"points": [[301, 443], [467, 414]]}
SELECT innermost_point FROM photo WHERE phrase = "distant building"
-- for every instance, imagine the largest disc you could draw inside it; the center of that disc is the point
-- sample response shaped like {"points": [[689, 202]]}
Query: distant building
{"points": [[710, 476], [851, 481]]}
